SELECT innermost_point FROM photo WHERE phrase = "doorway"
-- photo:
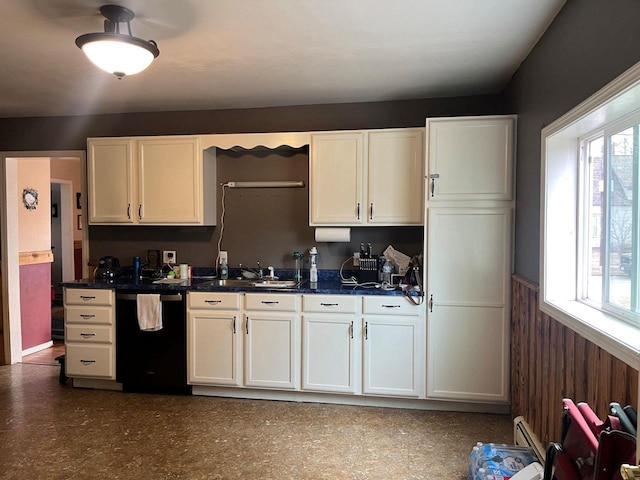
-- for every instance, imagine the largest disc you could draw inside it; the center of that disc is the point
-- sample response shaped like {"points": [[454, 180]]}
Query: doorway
{"points": [[10, 247]]}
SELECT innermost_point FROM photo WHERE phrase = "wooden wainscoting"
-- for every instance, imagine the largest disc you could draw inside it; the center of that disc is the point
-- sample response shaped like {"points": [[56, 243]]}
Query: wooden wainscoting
{"points": [[550, 362]]}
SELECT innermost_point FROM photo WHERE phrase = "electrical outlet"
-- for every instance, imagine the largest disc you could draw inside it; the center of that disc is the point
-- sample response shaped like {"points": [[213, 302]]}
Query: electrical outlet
{"points": [[169, 256], [224, 256], [356, 259]]}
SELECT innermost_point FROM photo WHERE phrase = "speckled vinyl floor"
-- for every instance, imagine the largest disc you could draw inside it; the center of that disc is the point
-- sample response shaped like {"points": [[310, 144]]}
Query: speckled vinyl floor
{"points": [[54, 431]]}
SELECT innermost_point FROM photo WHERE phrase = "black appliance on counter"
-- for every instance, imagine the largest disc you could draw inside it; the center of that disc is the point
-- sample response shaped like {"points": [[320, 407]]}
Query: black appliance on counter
{"points": [[108, 268], [152, 360]]}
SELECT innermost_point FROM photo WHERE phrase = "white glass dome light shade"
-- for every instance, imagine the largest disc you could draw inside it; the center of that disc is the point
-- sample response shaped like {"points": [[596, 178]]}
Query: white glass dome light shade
{"points": [[118, 54]]}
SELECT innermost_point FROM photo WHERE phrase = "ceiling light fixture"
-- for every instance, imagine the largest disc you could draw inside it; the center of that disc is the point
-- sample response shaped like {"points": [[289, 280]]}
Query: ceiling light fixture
{"points": [[116, 52]]}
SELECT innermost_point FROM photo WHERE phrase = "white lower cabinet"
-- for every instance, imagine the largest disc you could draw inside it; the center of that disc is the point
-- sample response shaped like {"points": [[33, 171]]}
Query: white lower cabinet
{"points": [[272, 341], [331, 343], [393, 347], [214, 348], [90, 333]]}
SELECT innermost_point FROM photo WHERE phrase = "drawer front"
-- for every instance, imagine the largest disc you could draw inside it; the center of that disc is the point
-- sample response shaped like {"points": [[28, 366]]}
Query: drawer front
{"points": [[214, 300], [280, 303], [90, 361], [89, 334], [89, 315], [88, 296], [331, 303], [390, 305]]}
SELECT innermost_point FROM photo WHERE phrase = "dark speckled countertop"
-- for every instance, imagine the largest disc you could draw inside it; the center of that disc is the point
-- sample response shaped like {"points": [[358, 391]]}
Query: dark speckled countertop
{"points": [[329, 283]]}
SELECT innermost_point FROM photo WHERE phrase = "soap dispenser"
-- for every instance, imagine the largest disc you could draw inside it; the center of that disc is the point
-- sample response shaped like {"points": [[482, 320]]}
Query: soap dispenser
{"points": [[313, 267], [224, 269]]}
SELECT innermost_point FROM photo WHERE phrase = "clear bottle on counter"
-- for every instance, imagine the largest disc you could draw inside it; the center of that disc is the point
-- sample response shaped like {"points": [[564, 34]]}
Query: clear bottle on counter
{"points": [[224, 269], [313, 267], [297, 257]]}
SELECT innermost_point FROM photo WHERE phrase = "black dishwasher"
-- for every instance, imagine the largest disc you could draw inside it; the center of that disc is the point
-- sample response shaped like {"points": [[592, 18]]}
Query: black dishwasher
{"points": [[152, 361]]}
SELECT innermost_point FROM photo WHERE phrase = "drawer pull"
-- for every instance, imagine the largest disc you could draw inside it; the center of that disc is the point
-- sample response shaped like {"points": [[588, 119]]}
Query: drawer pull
{"points": [[87, 316], [213, 302], [270, 302], [87, 298], [391, 306], [87, 335], [329, 304], [87, 362]]}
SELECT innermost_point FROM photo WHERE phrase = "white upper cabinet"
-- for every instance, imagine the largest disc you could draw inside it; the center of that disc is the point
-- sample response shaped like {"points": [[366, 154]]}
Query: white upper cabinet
{"points": [[395, 173], [371, 177], [150, 180], [336, 178], [470, 158], [111, 180]]}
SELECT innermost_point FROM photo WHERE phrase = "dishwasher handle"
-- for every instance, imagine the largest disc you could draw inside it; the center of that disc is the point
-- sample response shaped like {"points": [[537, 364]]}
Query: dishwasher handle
{"points": [[173, 297]]}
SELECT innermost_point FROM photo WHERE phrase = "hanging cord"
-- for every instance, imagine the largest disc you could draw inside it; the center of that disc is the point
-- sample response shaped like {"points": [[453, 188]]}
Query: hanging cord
{"points": [[353, 281], [224, 186]]}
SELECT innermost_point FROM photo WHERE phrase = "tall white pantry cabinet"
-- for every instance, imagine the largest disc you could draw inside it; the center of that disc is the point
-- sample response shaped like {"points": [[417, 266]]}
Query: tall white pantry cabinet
{"points": [[468, 256]]}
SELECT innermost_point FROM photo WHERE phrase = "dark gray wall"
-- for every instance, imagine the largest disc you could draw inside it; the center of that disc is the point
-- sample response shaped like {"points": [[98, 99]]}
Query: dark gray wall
{"points": [[262, 225], [589, 43]]}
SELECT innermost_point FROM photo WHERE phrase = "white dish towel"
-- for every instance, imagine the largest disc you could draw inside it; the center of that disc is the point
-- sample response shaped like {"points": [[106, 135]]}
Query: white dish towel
{"points": [[149, 312]]}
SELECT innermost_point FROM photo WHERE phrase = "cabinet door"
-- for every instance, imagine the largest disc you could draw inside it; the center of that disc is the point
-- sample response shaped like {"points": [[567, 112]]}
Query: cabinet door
{"points": [[392, 356], [395, 177], [469, 266], [468, 350], [329, 347], [272, 349], [214, 348], [470, 158], [170, 181], [336, 179], [110, 180]]}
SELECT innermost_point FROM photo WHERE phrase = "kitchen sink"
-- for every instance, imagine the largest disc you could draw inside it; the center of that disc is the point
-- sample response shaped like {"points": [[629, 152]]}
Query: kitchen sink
{"points": [[251, 282], [230, 282], [275, 283]]}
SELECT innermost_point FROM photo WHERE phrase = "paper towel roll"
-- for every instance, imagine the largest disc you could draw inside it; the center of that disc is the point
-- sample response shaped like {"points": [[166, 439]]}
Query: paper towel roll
{"points": [[333, 234]]}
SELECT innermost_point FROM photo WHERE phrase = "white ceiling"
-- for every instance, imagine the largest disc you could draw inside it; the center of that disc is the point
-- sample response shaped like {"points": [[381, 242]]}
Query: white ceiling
{"points": [[255, 53]]}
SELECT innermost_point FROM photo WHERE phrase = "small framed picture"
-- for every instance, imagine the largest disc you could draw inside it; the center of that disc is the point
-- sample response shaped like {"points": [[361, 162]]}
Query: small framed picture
{"points": [[54, 210], [79, 222]]}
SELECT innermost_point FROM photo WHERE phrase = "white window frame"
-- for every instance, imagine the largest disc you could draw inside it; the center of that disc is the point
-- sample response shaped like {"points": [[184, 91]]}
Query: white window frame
{"points": [[560, 246]]}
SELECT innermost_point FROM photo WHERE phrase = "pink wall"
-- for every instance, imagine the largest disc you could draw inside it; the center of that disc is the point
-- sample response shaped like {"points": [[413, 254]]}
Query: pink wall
{"points": [[35, 304]]}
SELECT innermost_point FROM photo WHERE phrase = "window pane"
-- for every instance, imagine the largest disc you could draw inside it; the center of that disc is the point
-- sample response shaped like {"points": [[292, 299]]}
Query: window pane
{"points": [[595, 249], [620, 226]]}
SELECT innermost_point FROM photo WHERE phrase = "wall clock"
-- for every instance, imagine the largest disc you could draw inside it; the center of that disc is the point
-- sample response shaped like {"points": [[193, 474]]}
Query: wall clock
{"points": [[30, 198]]}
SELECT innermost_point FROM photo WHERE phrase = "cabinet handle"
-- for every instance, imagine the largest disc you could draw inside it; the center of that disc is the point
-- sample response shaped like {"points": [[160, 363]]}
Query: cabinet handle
{"points": [[366, 330], [269, 302], [87, 362], [246, 326], [213, 302], [358, 212], [433, 182], [86, 299], [129, 211], [329, 304], [87, 335], [391, 306], [351, 330], [371, 212], [87, 316], [431, 303], [234, 324], [140, 212]]}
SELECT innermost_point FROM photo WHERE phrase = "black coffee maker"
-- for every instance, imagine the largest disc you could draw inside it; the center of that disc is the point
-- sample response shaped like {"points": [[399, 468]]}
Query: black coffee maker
{"points": [[108, 268]]}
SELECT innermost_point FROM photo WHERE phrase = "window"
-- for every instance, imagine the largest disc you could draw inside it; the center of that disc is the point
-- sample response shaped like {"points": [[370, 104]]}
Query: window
{"points": [[609, 232], [590, 219]]}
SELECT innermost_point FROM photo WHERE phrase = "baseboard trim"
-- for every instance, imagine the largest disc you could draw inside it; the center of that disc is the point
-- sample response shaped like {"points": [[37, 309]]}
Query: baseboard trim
{"points": [[37, 348]]}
